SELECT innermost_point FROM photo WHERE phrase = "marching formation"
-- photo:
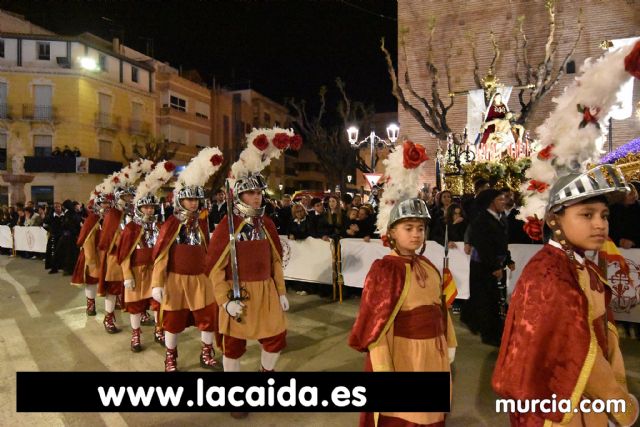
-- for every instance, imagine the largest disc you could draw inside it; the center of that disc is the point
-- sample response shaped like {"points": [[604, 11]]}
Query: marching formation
{"points": [[559, 338]]}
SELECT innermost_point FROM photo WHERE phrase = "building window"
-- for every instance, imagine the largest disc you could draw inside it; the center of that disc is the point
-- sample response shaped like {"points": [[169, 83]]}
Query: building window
{"points": [[42, 194], [178, 103], [3, 151], [225, 130], [105, 149], [134, 74], [571, 67], [4, 110], [202, 116], [102, 62], [44, 50], [42, 145], [1, 48], [4, 195]]}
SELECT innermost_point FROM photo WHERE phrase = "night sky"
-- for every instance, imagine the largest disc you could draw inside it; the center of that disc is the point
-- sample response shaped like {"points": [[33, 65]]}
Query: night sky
{"points": [[284, 48]]}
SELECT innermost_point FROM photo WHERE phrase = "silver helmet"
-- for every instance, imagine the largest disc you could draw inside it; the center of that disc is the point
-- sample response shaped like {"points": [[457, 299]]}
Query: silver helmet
{"points": [[248, 183], [602, 180], [186, 192], [147, 200], [122, 191], [409, 208]]}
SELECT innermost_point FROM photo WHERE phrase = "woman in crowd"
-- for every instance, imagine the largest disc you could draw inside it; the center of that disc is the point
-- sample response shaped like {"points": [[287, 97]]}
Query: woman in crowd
{"points": [[439, 215], [299, 227], [336, 217]]}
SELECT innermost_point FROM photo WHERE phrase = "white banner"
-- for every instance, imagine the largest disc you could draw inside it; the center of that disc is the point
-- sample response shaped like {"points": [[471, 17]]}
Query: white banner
{"points": [[6, 239], [30, 239], [358, 255], [308, 260]]}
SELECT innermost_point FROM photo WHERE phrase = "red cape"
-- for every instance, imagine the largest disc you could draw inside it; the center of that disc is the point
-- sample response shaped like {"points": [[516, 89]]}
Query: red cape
{"points": [[169, 230], [109, 227], [381, 294], [220, 238], [90, 221], [128, 240], [547, 338]]}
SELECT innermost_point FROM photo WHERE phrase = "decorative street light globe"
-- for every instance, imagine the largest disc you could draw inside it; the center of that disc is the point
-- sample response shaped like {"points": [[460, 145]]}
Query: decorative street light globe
{"points": [[392, 132], [352, 133]]}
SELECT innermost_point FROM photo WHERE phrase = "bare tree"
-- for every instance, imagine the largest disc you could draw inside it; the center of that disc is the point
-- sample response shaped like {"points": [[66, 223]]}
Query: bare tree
{"points": [[431, 113], [152, 148], [328, 138], [544, 75]]}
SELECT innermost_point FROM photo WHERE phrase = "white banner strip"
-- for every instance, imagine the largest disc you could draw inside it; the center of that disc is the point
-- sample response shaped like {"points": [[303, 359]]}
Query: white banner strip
{"points": [[6, 238], [30, 239], [308, 260]]}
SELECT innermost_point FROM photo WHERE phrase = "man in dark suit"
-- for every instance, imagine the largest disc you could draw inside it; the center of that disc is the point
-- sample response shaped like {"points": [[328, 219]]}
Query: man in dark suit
{"points": [[489, 257], [53, 224], [218, 209], [283, 214]]}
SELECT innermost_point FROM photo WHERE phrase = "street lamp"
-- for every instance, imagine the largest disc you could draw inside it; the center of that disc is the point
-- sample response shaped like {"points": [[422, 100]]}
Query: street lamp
{"points": [[374, 140], [349, 178]]}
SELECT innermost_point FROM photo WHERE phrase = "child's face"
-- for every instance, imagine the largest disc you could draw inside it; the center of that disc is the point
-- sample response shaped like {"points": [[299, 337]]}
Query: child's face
{"points": [[353, 214], [409, 235], [586, 226]]}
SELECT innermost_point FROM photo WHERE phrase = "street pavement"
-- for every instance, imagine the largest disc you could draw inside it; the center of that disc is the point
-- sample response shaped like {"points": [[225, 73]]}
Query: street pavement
{"points": [[43, 327]]}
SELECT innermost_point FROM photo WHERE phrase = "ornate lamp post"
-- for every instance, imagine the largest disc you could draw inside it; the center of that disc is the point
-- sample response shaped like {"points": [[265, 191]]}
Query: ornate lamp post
{"points": [[374, 140]]}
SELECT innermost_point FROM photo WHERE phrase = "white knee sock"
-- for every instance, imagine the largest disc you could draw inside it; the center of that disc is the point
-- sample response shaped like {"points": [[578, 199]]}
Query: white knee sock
{"points": [[170, 340], [230, 365], [90, 291], [155, 317], [206, 337], [110, 303], [135, 320], [269, 360]]}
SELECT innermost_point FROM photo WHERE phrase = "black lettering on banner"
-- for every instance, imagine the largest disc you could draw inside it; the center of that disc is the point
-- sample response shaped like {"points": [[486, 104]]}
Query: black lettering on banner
{"points": [[218, 392]]}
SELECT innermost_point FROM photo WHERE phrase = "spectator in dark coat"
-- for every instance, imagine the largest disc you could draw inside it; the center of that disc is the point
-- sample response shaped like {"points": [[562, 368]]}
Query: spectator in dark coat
{"points": [[321, 229], [624, 228], [489, 257], [66, 250], [284, 214], [218, 209], [53, 224]]}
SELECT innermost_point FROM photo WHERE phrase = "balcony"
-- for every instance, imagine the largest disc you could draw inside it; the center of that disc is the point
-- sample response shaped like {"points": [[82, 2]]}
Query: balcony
{"points": [[5, 112], [106, 121], [58, 164], [39, 113], [167, 112], [138, 127]]}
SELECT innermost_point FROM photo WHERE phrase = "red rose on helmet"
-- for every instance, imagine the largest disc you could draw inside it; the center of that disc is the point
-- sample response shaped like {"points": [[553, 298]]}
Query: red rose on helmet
{"points": [[546, 153], [169, 167], [632, 61], [413, 155], [116, 180], [295, 142], [538, 186], [216, 159], [261, 142], [533, 228], [281, 140]]}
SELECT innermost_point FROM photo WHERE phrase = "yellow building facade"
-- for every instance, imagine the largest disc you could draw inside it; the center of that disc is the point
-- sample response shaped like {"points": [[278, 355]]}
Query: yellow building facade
{"points": [[61, 92]]}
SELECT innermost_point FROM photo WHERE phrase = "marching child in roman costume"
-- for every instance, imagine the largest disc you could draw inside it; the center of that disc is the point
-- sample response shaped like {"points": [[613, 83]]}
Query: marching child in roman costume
{"points": [[135, 253], [111, 279], [179, 279], [403, 323], [560, 342], [251, 308], [87, 270]]}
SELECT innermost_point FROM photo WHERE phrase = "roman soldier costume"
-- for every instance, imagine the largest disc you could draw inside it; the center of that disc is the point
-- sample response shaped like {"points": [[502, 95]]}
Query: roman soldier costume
{"points": [[403, 323], [135, 254], [179, 280]]}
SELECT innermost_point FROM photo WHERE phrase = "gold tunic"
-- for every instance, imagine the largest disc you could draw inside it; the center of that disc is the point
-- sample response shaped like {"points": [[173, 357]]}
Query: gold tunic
{"points": [[399, 354], [262, 316], [113, 269]]}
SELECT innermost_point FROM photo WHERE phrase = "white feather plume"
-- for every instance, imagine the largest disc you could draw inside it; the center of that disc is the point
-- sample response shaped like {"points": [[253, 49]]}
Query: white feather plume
{"points": [[400, 184], [252, 160], [575, 147], [199, 169], [152, 182]]}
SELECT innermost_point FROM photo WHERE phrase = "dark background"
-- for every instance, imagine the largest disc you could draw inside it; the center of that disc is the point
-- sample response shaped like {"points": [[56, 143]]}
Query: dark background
{"points": [[281, 48]]}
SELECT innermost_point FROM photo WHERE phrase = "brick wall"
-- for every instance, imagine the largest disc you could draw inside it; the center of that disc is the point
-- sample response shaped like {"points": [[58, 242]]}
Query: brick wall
{"points": [[611, 19]]}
